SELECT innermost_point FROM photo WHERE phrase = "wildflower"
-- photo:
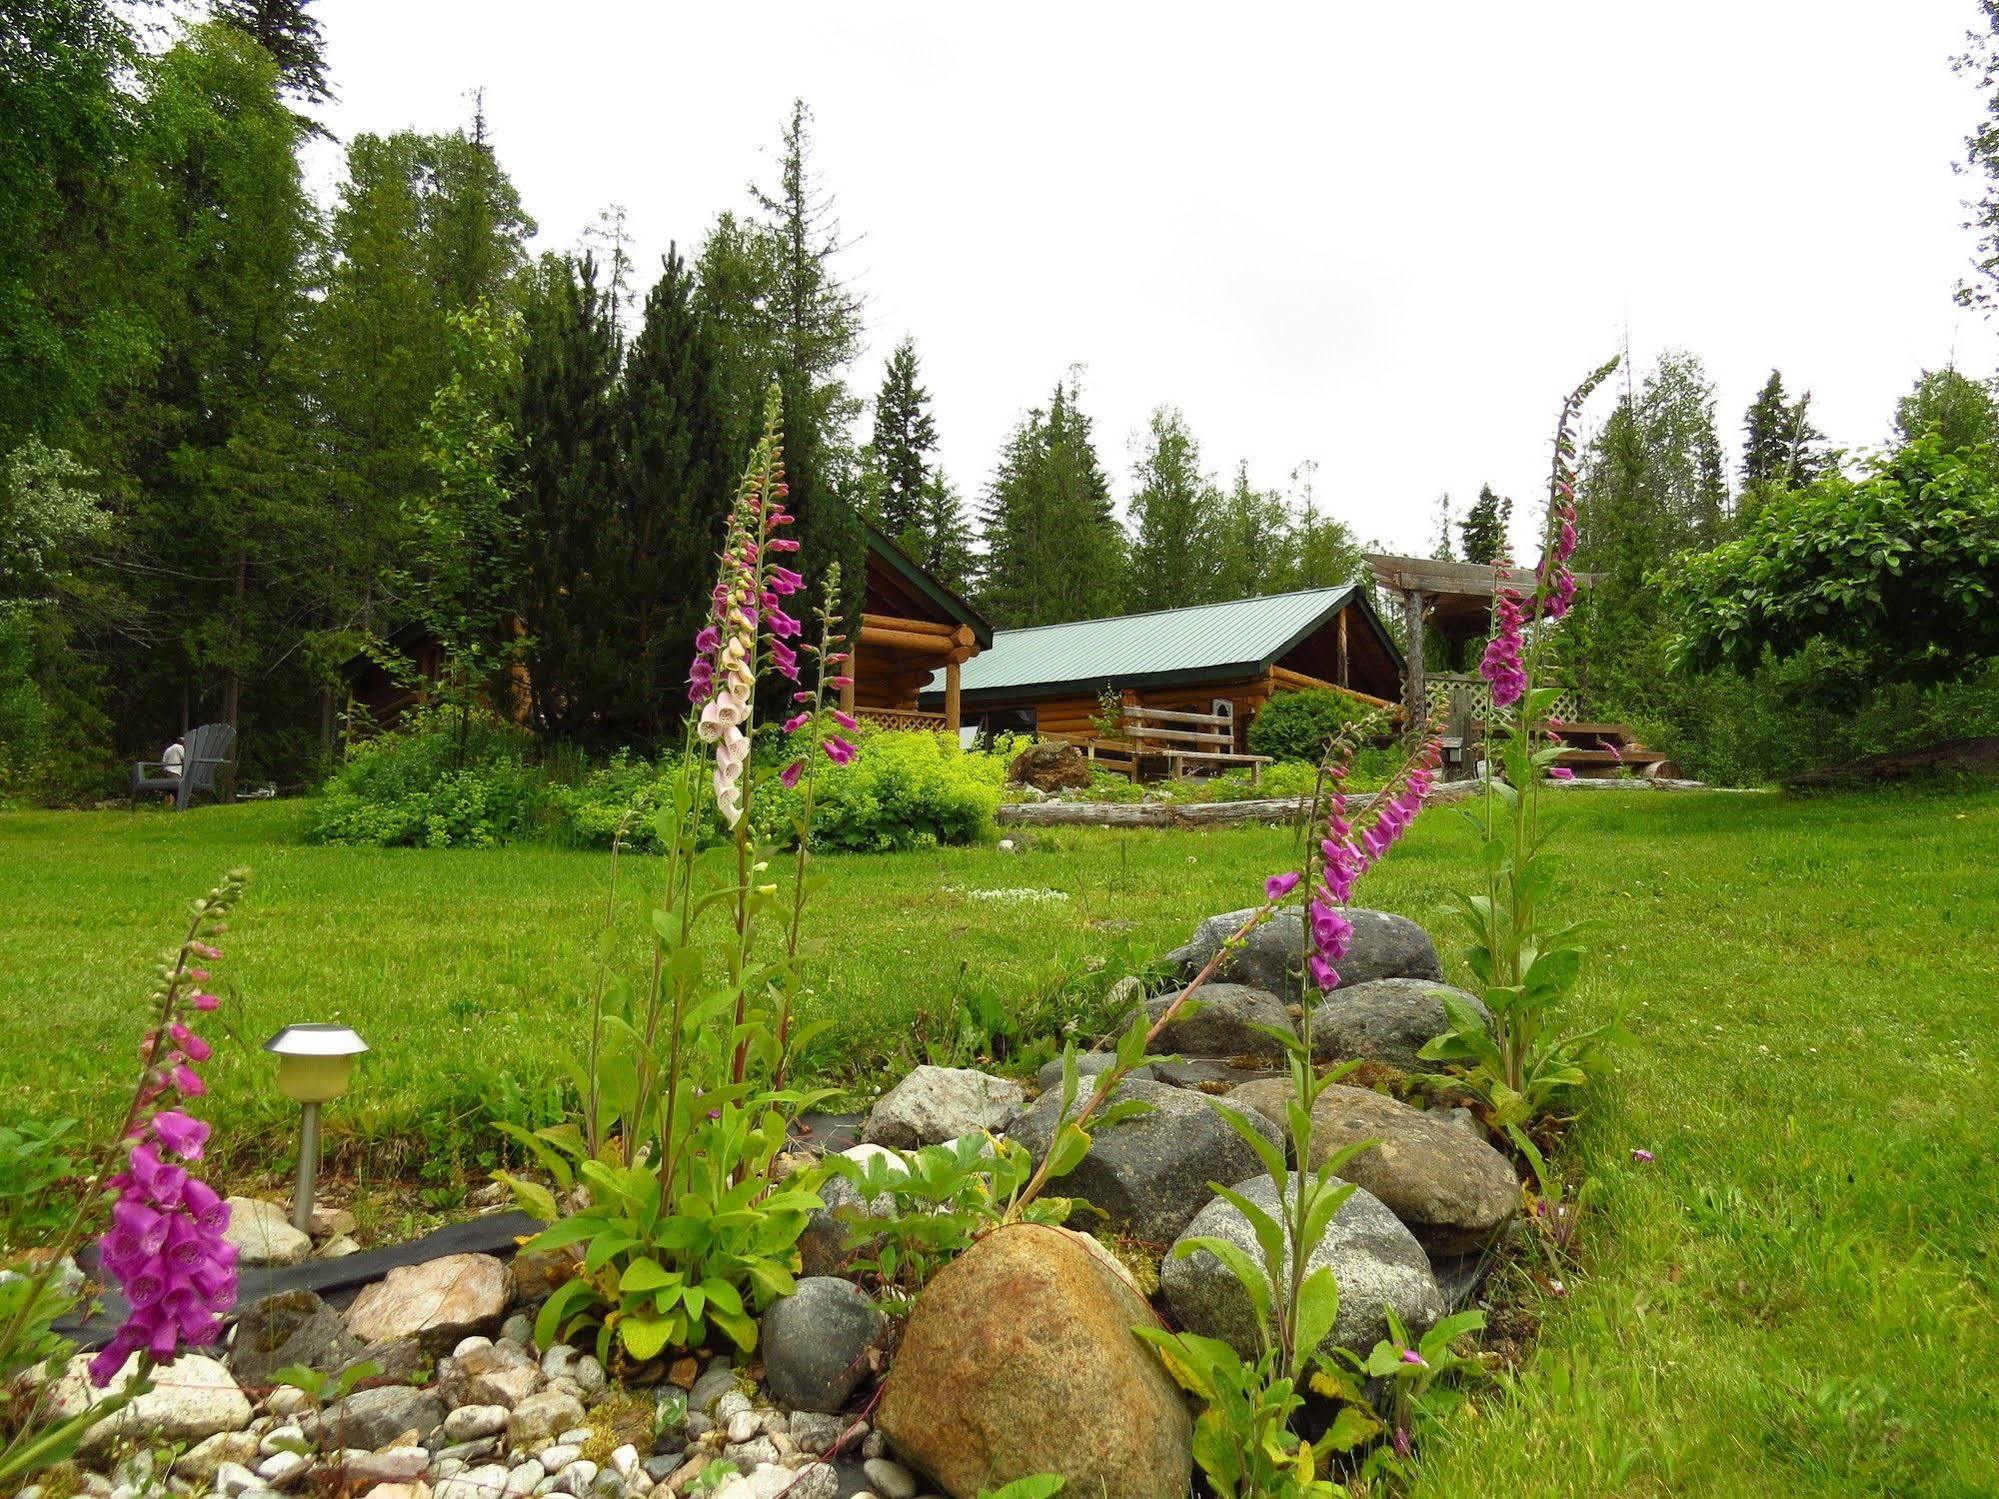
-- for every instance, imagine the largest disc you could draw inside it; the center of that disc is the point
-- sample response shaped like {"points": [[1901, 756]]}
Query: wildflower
{"points": [[1411, 1356], [838, 750], [840, 681], [1501, 666], [1403, 1446], [783, 581], [790, 774], [204, 950], [1280, 885], [846, 721], [781, 543], [203, 1001], [794, 724], [1642, 1156], [1616, 754], [1560, 773]]}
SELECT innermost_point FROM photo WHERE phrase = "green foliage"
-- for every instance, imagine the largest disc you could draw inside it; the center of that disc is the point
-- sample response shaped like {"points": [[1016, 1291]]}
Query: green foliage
{"points": [[921, 1210], [899, 458], [1054, 550], [34, 1159], [1173, 508], [449, 779], [908, 790], [1410, 1368], [1482, 534], [1040, 1486], [1897, 566], [1781, 450], [1300, 725]]}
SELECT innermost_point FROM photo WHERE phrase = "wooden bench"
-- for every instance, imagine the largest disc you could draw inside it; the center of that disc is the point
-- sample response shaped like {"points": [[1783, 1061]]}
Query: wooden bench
{"points": [[1179, 738]]}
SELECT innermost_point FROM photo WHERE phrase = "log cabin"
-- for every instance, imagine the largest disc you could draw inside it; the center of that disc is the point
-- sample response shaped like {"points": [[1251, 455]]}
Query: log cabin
{"points": [[912, 627], [1050, 679]]}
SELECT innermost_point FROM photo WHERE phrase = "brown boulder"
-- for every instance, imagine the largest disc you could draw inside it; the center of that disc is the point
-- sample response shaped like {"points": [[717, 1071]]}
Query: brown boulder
{"points": [[1019, 1359], [1051, 767], [1451, 1190], [439, 1301]]}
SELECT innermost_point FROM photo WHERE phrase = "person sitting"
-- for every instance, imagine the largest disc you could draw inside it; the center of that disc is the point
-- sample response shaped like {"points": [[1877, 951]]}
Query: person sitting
{"points": [[174, 756]]}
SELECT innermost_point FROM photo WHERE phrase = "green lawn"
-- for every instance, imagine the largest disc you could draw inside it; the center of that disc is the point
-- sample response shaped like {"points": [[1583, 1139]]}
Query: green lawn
{"points": [[1797, 1298]]}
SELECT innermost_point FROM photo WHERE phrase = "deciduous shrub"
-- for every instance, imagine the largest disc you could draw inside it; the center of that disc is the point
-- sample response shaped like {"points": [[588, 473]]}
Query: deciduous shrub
{"points": [[1298, 725], [909, 791]]}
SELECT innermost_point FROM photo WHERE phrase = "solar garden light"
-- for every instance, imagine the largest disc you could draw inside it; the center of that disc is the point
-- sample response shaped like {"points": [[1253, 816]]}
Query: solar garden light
{"points": [[315, 1065]]}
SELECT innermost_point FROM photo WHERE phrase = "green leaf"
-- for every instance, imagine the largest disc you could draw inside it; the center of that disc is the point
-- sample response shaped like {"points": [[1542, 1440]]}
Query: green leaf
{"points": [[1318, 1308], [645, 1338], [646, 1274]]}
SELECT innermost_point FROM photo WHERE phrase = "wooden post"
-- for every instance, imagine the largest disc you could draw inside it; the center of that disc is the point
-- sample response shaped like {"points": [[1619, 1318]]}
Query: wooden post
{"points": [[852, 663], [951, 713], [1344, 677], [1416, 691]]}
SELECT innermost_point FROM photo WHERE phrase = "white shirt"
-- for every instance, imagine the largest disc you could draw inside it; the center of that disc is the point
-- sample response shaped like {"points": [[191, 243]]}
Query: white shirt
{"points": [[170, 760]]}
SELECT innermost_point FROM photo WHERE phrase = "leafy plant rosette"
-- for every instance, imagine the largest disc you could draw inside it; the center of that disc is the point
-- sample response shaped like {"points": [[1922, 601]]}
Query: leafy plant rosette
{"points": [[667, 1195], [1521, 1067]]}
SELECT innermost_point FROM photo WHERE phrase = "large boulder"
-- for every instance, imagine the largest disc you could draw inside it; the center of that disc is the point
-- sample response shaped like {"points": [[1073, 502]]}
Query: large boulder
{"points": [[1453, 1191], [1221, 1020], [263, 1234], [1273, 956], [440, 1301], [1088, 1064], [816, 1343], [1148, 1174], [1019, 1358], [935, 1104], [1372, 1255], [1051, 767], [1385, 1020], [292, 1327], [376, 1415], [192, 1398]]}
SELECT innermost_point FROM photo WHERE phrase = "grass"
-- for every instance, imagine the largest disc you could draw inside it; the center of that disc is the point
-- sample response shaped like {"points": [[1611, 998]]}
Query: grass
{"points": [[1796, 1299]]}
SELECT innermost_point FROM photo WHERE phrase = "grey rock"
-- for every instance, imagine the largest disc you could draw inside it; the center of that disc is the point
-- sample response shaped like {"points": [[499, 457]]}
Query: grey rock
{"points": [[376, 1416], [815, 1344], [625, 1460], [1273, 956], [388, 1465], [1385, 1020], [192, 1398], [934, 1104], [471, 1345], [1375, 1260], [281, 1469], [292, 1327], [1454, 1192], [497, 1374], [559, 1455], [402, 1359], [662, 1466], [282, 1439], [1222, 1020], [717, 1380], [890, 1479], [234, 1479], [816, 1432], [518, 1329], [733, 1403], [756, 1451], [744, 1425], [474, 1483], [470, 1422], [263, 1234], [578, 1435], [1149, 1175], [577, 1477], [286, 1401], [524, 1478], [198, 1464], [1088, 1064], [822, 1248], [542, 1416]]}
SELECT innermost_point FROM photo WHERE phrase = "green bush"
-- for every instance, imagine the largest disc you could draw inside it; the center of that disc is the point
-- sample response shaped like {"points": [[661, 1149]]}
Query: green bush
{"points": [[1296, 725], [440, 783], [907, 791]]}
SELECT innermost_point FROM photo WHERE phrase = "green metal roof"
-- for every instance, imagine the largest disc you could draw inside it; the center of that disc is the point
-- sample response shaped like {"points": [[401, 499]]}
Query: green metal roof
{"points": [[1203, 642]]}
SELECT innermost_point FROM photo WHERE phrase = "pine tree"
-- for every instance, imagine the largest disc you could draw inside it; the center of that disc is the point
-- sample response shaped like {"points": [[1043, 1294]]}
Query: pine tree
{"points": [[1172, 515], [1054, 550], [286, 30], [1255, 549], [1483, 533], [946, 537], [1781, 449], [673, 492], [1323, 551], [1441, 549], [567, 431], [905, 435]]}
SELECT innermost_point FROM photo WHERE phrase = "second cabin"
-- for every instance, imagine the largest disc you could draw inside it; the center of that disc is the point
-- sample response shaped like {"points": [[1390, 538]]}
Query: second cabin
{"points": [[1225, 659]]}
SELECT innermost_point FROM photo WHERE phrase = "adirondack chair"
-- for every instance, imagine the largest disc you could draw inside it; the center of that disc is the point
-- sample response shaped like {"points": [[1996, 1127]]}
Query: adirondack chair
{"points": [[210, 766]]}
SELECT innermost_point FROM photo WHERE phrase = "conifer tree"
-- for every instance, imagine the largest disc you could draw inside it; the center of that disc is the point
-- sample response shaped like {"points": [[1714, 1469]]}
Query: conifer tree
{"points": [[1173, 513], [1959, 410], [287, 30], [1781, 449], [1482, 534], [1255, 550], [905, 436], [1442, 549], [567, 431], [946, 536], [673, 491], [1054, 550]]}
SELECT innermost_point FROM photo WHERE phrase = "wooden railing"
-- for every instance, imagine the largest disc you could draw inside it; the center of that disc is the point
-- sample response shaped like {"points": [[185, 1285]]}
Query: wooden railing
{"points": [[903, 719]]}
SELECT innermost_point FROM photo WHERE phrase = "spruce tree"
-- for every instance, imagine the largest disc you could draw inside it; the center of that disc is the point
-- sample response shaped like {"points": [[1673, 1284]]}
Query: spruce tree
{"points": [[1254, 548], [1173, 514], [946, 536], [1054, 550], [673, 491], [1482, 534], [567, 430], [286, 30], [905, 436], [1441, 548], [1781, 449]]}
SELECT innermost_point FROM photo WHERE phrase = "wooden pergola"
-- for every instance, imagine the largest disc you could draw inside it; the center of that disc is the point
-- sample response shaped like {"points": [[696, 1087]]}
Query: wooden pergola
{"points": [[1453, 598]]}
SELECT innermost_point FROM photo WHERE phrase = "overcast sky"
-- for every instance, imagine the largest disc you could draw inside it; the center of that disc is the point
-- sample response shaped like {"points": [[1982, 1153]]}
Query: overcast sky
{"points": [[1385, 239]]}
